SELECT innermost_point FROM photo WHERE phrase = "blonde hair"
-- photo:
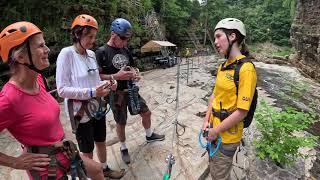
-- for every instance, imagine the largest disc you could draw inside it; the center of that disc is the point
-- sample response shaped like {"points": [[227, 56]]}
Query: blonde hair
{"points": [[22, 48]]}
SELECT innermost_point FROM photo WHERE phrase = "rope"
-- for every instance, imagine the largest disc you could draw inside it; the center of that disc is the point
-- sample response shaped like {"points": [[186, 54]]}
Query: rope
{"points": [[209, 145], [133, 90]]}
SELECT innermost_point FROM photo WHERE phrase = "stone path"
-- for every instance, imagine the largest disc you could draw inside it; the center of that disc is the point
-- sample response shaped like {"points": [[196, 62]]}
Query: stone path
{"points": [[158, 88]]}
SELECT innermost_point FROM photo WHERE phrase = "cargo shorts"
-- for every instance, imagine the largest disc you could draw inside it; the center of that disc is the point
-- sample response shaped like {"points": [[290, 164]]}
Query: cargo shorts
{"points": [[120, 106]]}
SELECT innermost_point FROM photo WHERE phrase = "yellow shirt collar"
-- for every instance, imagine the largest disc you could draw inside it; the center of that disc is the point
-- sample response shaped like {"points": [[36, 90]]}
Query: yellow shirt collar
{"points": [[233, 60]]}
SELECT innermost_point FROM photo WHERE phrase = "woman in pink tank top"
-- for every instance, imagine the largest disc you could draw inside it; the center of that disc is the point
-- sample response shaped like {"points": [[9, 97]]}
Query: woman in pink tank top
{"points": [[29, 113]]}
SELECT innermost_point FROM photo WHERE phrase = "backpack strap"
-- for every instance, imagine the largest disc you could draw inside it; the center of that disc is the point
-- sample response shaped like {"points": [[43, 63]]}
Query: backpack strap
{"points": [[103, 50], [237, 68]]}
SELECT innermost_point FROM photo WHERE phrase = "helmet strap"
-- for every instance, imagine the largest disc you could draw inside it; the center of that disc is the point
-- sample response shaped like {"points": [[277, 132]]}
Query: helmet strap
{"points": [[32, 67], [229, 46], [85, 52], [79, 41]]}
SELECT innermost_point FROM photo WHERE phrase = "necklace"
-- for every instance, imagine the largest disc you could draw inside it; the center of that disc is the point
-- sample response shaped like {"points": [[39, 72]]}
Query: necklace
{"points": [[84, 58]]}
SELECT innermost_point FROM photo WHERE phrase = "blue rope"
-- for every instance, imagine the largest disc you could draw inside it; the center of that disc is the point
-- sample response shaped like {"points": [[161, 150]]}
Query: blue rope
{"points": [[209, 145], [133, 90]]}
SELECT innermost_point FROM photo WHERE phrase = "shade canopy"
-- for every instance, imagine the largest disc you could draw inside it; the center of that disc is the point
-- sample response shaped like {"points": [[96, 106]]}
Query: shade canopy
{"points": [[154, 46]]}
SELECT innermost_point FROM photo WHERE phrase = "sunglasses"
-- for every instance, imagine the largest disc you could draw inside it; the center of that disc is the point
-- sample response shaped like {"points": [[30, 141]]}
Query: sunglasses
{"points": [[123, 38], [91, 70]]}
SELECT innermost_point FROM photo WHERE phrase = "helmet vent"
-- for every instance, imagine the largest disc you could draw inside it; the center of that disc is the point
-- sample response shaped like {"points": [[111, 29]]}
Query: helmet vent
{"points": [[11, 31], [23, 29]]}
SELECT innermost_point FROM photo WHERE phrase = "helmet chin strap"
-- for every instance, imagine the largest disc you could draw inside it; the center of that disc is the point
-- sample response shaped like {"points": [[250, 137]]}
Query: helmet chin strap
{"points": [[85, 51], [31, 66], [229, 47], [79, 41]]}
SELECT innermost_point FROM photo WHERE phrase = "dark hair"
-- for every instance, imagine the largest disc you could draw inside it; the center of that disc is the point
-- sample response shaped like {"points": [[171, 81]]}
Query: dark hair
{"points": [[78, 31], [240, 40]]}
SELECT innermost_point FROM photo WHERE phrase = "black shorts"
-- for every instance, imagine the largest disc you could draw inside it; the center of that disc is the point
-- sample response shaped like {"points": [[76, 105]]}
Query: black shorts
{"points": [[120, 105], [90, 132]]}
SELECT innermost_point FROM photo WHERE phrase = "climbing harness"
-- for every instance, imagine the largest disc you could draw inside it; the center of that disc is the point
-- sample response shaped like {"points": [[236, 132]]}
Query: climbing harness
{"points": [[133, 92], [170, 158], [77, 166], [99, 113], [69, 149], [94, 105], [209, 145]]}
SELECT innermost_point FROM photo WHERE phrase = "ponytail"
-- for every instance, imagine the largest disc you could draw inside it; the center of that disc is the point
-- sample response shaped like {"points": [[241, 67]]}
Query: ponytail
{"points": [[244, 49], [240, 40]]}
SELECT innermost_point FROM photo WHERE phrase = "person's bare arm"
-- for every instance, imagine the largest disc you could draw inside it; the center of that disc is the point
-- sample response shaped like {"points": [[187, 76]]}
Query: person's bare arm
{"points": [[208, 113], [25, 161]]}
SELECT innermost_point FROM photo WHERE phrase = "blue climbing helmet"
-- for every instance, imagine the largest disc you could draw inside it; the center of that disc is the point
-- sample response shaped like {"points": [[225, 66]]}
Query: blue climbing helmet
{"points": [[122, 27]]}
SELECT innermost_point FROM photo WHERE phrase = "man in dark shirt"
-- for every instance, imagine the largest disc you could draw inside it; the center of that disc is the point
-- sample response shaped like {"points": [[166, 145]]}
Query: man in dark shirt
{"points": [[116, 63]]}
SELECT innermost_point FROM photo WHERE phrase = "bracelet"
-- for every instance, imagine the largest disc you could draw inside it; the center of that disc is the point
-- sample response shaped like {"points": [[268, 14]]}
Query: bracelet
{"points": [[91, 93]]}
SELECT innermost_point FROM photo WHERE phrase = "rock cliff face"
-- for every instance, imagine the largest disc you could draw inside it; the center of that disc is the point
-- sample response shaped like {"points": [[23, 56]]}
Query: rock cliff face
{"points": [[305, 36]]}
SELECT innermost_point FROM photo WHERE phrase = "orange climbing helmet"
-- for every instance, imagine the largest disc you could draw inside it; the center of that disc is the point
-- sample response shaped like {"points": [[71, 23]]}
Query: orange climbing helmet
{"points": [[84, 20], [14, 35]]}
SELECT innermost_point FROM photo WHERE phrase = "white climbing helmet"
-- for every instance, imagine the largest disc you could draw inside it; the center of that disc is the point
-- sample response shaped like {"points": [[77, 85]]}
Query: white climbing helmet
{"points": [[231, 23]]}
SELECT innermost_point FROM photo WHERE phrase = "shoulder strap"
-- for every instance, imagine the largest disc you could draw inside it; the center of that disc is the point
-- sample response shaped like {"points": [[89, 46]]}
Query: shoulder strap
{"points": [[237, 71], [74, 119], [73, 122], [230, 66]]}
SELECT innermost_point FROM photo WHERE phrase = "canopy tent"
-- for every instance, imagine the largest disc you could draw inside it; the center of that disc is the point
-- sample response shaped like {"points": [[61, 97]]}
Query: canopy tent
{"points": [[154, 46]]}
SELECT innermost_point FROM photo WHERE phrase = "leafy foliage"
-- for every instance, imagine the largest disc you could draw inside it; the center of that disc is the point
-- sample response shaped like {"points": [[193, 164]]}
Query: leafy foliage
{"points": [[290, 4], [279, 140], [265, 20]]}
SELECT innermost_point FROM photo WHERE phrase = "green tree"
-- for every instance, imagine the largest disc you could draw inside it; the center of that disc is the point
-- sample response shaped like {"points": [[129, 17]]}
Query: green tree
{"points": [[290, 4]]}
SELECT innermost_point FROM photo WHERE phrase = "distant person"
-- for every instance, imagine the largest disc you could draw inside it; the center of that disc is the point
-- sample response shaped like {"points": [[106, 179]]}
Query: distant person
{"points": [[30, 113], [116, 63], [78, 80], [187, 53], [228, 105]]}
